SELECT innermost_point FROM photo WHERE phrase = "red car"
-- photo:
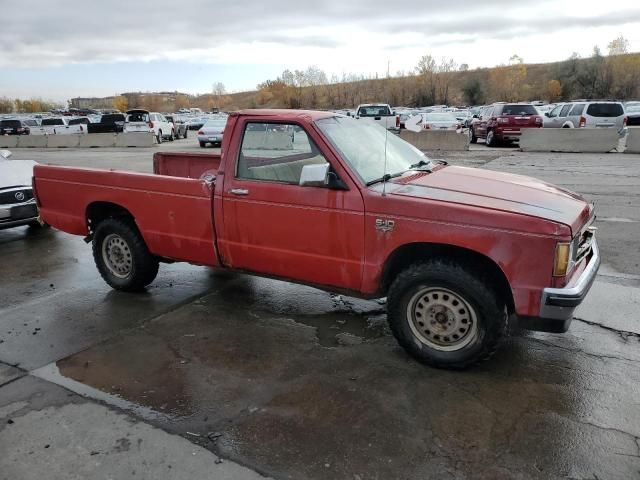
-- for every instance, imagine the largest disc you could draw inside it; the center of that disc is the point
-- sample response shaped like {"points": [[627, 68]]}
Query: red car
{"points": [[456, 251], [502, 123]]}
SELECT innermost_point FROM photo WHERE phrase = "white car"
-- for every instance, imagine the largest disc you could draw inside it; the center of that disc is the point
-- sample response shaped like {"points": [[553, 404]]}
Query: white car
{"points": [[57, 126], [17, 203], [145, 121]]}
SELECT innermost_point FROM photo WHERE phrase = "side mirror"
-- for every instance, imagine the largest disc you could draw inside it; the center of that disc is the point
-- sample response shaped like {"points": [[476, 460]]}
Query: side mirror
{"points": [[5, 153], [546, 114], [316, 175], [475, 115]]}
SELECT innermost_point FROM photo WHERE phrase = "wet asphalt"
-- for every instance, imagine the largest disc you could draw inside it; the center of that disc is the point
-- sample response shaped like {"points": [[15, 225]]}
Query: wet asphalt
{"points": [[293, 382]]}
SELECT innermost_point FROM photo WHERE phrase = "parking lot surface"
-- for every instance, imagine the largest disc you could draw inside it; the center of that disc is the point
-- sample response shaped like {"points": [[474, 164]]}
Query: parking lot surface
{"points": [[261, 377]]}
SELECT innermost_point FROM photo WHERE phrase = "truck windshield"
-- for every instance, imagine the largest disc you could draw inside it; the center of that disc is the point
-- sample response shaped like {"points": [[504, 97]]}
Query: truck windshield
{"points": [[362, 146]]}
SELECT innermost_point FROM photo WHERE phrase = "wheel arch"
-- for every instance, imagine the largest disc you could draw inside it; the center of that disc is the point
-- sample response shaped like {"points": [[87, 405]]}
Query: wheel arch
{"points": [[408, 254], [101, 210]]}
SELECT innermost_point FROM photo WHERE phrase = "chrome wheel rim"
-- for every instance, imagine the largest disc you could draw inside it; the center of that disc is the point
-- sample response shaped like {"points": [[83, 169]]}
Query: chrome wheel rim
{"points": [[489, 138], [116, 255], [442, 319]]}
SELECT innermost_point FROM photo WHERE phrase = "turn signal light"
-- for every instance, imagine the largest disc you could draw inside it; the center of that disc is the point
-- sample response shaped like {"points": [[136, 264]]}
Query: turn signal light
{"points": [[562, 259], [583, 122]]}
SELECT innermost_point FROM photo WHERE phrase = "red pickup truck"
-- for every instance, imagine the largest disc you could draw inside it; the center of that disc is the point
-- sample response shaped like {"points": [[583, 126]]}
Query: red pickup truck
{"points": [[325, 200]]}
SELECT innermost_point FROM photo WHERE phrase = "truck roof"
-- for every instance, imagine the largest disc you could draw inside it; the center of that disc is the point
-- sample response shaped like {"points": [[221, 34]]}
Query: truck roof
{"points": [[283, 113]]}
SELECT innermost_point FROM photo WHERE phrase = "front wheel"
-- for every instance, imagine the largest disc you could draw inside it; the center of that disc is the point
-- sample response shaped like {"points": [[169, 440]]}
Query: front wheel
{"points": [[444, 315], [159, 136], [121, 255], [172, 137], [185, 133], [202, 144], [472, 134]]}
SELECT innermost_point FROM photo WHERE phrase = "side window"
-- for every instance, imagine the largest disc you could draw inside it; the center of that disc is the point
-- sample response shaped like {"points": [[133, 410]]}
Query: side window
{"points": [[577, 109], [276, 152], [555, 111], [565, 110]]}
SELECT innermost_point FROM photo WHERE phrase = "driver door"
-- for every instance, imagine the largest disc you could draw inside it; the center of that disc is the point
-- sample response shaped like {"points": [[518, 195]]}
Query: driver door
{"points": [[274, 226]]}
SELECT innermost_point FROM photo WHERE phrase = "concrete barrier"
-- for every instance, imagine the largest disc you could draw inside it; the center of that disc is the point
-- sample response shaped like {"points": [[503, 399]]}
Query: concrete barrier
{"points": [[431, 140], [64, 141], [134, 139], [98, 140], [633, 141], [91, 140], [32, 141], [8, 141], [576, 140]]}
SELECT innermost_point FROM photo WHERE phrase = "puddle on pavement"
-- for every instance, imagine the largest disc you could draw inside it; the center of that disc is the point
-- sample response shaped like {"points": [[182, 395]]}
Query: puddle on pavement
{"points": [[346, 328], [51, 373]]}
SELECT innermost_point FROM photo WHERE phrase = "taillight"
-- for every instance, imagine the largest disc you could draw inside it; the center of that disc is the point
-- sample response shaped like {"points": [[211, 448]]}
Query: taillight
{"points": [[200, 132], [583, 122], [426, 126], [624, 122], [81, 128], [397, 121], [150, 124]]}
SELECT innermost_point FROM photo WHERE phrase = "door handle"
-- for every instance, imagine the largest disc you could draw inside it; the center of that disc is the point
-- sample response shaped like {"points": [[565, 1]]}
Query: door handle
{"points": [[239, 191]]}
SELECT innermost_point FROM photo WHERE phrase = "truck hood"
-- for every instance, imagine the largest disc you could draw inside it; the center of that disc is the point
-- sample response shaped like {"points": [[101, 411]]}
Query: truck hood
{"points": [[15, 173], [498, 191]]}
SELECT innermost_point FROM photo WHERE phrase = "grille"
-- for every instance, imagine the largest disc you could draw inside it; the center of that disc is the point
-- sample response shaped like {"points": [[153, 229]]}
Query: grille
{"points": [[9, 197]]}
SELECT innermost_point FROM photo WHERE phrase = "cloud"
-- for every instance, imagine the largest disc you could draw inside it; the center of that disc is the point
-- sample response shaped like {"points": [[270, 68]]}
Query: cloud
{"points": [[63, 32]]}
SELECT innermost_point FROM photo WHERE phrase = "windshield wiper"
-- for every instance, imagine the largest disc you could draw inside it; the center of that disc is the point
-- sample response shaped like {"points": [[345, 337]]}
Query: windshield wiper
{"points": [[419, 165], [384, 178]]}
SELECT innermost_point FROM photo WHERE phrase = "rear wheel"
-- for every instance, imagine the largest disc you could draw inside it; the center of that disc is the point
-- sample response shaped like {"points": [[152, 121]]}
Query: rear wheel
{"points": [[472, 134], [121, 255], [185, 133], [159, 136], [172, 137], [491, 139], [444, 315], [202, 144]]}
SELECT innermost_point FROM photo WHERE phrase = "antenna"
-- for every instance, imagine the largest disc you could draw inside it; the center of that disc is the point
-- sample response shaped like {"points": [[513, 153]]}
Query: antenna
{"points": [[384, 174]]}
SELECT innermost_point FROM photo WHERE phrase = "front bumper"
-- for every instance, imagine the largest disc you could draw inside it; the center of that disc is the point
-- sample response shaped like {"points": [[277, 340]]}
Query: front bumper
{"points": [[558, 304], [18, 214]]}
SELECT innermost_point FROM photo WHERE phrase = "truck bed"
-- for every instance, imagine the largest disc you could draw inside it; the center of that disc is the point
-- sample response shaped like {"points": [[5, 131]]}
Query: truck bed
{"points": [[173, 214], [185, 165]]}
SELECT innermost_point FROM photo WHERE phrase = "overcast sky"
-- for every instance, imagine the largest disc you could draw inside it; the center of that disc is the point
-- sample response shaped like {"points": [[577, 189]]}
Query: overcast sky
{"points": [[62, 48]]}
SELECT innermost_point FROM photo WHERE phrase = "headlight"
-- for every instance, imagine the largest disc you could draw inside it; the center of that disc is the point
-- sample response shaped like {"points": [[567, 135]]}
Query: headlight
{"points": [[562, 260]]}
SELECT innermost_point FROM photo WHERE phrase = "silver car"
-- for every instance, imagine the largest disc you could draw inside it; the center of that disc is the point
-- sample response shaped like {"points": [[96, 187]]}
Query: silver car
{"points": [[17, 202], [440, 121], [212, 131], [587, 114]]}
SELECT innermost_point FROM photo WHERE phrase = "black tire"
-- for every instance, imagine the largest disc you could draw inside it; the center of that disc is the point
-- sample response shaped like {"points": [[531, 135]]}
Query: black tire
{"points": [[491, 139], [185, 133], [172, 137], [202, 144], [141, 267], [481, 301], [38, 226], [159, 136], [474, 139]]}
